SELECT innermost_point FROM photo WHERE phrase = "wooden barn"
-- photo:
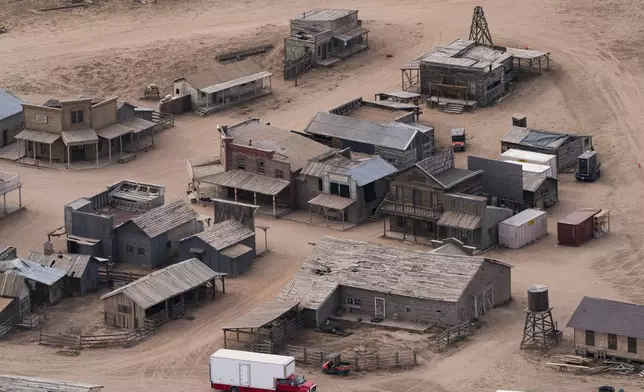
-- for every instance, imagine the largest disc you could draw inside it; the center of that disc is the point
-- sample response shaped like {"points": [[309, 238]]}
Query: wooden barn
{"points": [[82, 270], [14, 286], [160, 296]]}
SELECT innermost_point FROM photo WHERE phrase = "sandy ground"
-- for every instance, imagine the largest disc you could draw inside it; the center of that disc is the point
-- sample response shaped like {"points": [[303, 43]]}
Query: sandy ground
{"points": [[116, 47]]}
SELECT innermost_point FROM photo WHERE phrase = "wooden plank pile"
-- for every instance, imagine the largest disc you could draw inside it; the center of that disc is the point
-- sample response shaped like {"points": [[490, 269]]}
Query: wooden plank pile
{"points": [[612, 367], [584, 365]]}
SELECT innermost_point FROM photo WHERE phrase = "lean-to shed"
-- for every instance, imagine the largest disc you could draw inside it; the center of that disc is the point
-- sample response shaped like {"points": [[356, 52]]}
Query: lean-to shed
{"points": [[46, 283], [523, 228]]}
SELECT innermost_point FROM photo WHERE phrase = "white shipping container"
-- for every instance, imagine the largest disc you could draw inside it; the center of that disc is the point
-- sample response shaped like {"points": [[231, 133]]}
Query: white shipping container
{"points": [[534, 168], [249, 369], [531, 157], [523, 228]]}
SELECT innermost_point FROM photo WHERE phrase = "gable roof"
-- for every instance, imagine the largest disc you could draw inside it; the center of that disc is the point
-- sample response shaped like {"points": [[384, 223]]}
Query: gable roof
{"points": [[396, 136], [537, 137], [33, 271], [74, 264], [607, 316], [336, 262], [166, 283], [287, 146], [223, 73], [164, 218], [225, 234], [9, 104], [12, 284], [363, 168]]}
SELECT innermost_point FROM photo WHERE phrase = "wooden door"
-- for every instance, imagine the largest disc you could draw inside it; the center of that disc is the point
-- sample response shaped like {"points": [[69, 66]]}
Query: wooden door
{"points": [[379, 307]]}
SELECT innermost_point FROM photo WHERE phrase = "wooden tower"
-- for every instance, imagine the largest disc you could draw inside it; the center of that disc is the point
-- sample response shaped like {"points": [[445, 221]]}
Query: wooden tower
{"points": [[479, 31]]}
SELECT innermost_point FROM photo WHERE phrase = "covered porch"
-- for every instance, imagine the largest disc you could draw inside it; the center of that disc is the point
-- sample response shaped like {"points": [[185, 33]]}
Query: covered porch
{"points": [[78, 143], [223, 95], [329, 205], [10, 182], [531, 61], [461, 226], [347, 43], [35, 144], [252, 188]]}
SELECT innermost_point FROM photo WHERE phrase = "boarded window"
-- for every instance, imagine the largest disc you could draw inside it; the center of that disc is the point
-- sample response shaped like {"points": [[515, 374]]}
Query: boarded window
{"points": [[632, 345], [260, 167], [169, 244], [407, 309], [612, 341], [125, 309], [279, 173], [590, 338], [141, 251], [129, 249], [241, 163], [320, 184], [77, 116], [353, 302]]}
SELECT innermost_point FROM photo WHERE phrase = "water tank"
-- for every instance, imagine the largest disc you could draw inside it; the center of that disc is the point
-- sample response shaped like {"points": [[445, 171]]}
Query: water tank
{"points": [[538, 298], [48, 248]]}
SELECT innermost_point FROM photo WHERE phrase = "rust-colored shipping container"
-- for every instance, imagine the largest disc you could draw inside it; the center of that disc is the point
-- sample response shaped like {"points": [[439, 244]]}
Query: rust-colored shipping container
{"points": [[577, 228]]}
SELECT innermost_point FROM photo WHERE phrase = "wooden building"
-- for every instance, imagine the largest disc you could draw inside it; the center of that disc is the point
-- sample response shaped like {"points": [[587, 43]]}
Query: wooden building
{"points": [[261, 163], [539, 191], [161, 295], [608, 328], [11, 121], [398, 143], [383, 112], [81, 130], [10, 182], [152, 239], [566, 147], [34, 384], [47, 285], [227, 247], [324, 36], [8, 252], [373, 280], [344, 186], [14, 286], [224, 86], [82, 270], [417, 195]]}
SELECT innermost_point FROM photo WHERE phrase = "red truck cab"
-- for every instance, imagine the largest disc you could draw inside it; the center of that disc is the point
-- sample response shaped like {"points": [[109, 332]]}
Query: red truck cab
{"points": [[295, 384]]}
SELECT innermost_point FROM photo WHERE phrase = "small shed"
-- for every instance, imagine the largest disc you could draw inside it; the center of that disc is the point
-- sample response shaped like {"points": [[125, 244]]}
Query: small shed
{"points": [[13, 285], [11, 118], [523, 228], [46, 283], [33, 384], [577, 228], [82, 270], [160, 295], [539, 191], [227, 247]]}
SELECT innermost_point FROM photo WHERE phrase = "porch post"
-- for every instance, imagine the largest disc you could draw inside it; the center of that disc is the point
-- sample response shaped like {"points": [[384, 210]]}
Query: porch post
{"points": [[310, 214], [384, 227], [20, 196], [96, 154], [34, 145], [326, 217], [235, 193], [153, 137], [274, 215], [404, 228], [121, 144], [50, 155], [265, 243], [4, 198], [69, 158], [342, 214], [255, 197], [109, 148]]}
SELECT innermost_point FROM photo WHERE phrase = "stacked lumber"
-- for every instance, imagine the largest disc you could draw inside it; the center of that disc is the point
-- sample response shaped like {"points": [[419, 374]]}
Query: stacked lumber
{"points": [[573, 359]]}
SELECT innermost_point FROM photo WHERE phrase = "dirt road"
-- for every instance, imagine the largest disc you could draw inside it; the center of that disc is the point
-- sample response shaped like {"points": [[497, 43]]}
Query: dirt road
{"points": [[594, 88]]}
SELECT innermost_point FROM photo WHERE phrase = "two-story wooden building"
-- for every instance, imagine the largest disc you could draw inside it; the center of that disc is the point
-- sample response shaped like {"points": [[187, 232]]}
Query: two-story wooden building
{"points": [[261, 163], [80, 130]]}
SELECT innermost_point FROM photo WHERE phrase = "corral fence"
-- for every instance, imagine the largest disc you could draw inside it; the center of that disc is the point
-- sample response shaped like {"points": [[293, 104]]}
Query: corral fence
{"points": [[79, 342], [175, 106], [118, 276], [358, 361], [453, 334]]}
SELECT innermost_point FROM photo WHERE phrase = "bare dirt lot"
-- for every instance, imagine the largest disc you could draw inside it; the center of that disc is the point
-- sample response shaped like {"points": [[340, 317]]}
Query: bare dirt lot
{"points": [[118, 46]]}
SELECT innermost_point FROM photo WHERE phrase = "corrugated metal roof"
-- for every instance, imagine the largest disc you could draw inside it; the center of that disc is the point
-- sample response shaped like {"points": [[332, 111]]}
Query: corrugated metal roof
{"points": [[32, 384], [579, 216], [262, 315], [364, 169], [137, 124], [459, 220], [12, 284], [166, 283], [9, 104], [331, 201], [236, 250], [532, 182], [164, 218], [33, 271], [454, 176], [465, 53], [523, 217], [74, 264], [535, 138], [324, 15], [37, 136], [288, 146], [394, 135], [607, 316], [349, 34], [531, 167], [526, 54], [247, 181], [450, 249], [225, 234], [79, 137], [223, 73], [113, 131], [236, 82], [201, 167]]}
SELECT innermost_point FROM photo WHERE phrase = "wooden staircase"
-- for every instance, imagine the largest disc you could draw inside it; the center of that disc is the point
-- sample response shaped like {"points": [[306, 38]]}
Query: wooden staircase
{"points": [[7, 326], [200, 112], [377, 214], [454, 108]]}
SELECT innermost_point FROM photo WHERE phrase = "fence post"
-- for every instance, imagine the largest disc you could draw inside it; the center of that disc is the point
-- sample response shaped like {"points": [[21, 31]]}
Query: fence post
{"points": [[357, 365], [305, 355], [377, 362], [397, 358], [321, 357], [415, 362]]}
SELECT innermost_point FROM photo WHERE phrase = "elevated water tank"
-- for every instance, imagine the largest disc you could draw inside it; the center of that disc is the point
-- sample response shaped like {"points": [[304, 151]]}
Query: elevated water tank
{"points": [[538, 298]]}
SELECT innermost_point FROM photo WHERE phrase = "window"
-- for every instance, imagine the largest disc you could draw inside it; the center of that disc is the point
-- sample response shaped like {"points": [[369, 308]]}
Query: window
{"points": [[176, 91], [632, 345], [77, 116], [407, 309], [320, 184], [169, 245], [129, 249], [124, 309], [612, 341], [260, 167], [319, 51], [544, 192], [141, 251], [590, 338], [353, 302], [202, 94], [241, 163], [340, 190], [279, 173]]}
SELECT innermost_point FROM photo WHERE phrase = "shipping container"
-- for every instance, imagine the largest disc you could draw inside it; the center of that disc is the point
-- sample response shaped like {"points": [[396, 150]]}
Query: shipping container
{"points": [[543, 170], [576, 228], [523, 228], [531, 157], [249, 369]]}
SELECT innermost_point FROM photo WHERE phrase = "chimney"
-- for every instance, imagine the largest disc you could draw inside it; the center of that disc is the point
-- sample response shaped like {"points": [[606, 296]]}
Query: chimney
{"points": [[48, 248]]}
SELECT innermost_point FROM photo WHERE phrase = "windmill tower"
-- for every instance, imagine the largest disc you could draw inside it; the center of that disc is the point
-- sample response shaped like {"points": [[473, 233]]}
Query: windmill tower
{"points": [[479, 31]]}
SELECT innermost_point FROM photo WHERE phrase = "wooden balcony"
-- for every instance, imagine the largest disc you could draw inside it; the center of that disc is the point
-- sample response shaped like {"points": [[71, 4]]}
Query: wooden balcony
{"points": [[403, 209]]}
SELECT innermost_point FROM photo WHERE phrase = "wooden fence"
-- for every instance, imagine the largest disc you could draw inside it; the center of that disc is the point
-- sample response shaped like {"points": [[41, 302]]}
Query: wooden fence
{"points": [[453, 334], [358, 361], [177, 105], [294, 68], [240, 54], [166, 120], [118, 276], [79, 342]]}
